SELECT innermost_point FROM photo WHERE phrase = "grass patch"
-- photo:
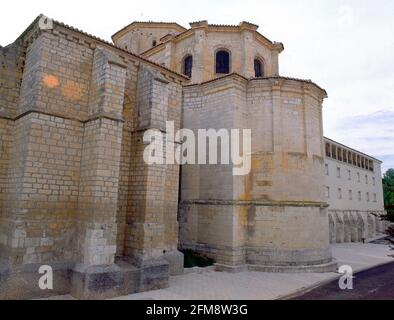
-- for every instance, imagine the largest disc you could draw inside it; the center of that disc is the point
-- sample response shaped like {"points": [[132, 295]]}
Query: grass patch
{"points": [[194, 259]]}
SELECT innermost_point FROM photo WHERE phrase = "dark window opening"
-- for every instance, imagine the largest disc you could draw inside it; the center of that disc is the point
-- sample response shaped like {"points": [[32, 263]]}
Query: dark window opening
{"points": [[188, 66], [371, 168], [328, 150], [334, 152], [222, 62], [339, 154], [258, 68], [154, 43]]}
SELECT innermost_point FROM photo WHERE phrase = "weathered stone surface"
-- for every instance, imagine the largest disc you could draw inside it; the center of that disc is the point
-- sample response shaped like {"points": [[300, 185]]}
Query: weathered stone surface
{"points": [[72, 179], [23, 282], [356, 226], [175, 260], [77, 195], [169, 44], [275, 215]]}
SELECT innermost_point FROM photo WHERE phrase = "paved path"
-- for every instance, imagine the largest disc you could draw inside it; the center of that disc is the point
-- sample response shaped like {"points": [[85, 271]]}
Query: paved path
{"points": [[212, 285], [372, 284]]}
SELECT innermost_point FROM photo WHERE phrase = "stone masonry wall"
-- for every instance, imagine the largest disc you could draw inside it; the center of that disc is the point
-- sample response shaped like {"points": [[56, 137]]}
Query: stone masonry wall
{"points": [[151, 216], [202, 44], [46, 153], [260, 218], [6, 139], [11, 68], [355, 226], [10, 73], [99, 183], [68, 166]]}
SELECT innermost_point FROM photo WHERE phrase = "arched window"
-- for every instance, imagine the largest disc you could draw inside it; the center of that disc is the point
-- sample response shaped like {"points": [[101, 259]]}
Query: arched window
{"points": [[223, 62], [188, 66], [154, 43], [258, 68]]}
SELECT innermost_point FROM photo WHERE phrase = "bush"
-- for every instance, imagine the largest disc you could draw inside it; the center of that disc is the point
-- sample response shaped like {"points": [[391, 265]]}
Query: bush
{"points": [[194, 259], [390, 232], [390, 215]]}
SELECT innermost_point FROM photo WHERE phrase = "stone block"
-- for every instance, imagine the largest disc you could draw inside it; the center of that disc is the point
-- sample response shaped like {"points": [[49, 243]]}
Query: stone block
{"points": [[23, 282], [154, 274], [97, 282], [176, 262]]}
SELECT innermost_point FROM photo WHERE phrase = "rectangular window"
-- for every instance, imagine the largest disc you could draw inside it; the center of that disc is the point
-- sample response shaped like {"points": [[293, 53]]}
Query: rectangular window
{"points": [[339, 154], [368, 197], [358, 177], [328, 150], [344, 156], [338, 172], [334, 152], [339, 193], [371, 166], [350, 195], [327, 192], [366, 179], [375, 199], [374, 181], [327, 170], [359, 195], [349, 174]]}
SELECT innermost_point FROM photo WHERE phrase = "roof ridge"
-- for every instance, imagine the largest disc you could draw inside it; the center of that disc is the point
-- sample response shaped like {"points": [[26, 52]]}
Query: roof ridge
{"points": [[151, 21], [64, 25], [148, 22], [290, 78], [351, 148]]}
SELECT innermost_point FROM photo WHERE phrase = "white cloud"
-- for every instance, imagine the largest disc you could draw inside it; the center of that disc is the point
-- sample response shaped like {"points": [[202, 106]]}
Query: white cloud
{"points": [[345, 46]]}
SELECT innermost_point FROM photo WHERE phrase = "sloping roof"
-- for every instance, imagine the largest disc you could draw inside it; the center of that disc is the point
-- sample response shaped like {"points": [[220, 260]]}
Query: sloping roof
{"points": [[292, 78], [139, 57], [232, 74], [347, 147], [129, 26], [260, 78], [214, 26]]}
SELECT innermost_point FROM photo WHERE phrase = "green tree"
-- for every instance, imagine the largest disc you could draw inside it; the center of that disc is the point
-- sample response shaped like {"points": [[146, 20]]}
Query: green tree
{"points": [[388, 190]]}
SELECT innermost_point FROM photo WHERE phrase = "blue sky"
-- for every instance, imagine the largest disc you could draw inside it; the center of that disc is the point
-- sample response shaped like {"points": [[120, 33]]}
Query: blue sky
{"points": [[347, 47]]}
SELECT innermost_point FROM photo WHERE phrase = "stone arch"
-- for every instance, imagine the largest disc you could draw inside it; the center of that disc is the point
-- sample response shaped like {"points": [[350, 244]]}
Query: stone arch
{"points": [[340, 231], [223, 61], [371, 226], [259, 66], [360, 226], [379, 224], [332, 230], [355, 237], [187, 65], [347, 228]]}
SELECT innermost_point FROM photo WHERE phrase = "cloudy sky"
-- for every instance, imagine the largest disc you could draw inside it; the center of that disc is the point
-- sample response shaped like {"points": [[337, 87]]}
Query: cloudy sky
{"points": [[347, 47]]}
